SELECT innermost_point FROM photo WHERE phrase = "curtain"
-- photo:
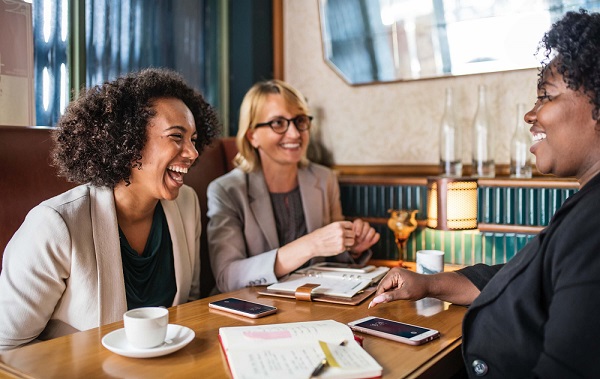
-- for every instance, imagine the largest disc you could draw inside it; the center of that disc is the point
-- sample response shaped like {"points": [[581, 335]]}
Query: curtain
{"points": [[123, 36], [128, 35]]}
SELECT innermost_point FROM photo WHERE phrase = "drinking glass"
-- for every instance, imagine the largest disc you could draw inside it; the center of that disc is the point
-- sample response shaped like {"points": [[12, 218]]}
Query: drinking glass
{"points": [[402, 222]]}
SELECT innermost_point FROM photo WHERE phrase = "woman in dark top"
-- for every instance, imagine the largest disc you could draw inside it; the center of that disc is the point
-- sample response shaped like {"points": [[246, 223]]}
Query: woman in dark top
{"points": [[537, 315]]}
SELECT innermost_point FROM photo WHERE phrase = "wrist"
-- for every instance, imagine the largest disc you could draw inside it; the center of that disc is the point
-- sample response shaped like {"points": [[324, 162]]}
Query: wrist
{"points": [[303, 248], [433, 286]]}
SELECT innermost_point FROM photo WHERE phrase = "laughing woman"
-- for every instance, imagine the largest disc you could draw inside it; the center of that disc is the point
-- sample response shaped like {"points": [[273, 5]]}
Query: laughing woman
{"points": [[537, 315], [277, 211], [128, 236]]}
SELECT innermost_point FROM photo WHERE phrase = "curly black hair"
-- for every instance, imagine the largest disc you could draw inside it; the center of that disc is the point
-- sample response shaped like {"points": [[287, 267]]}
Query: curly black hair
{"points": [[100, 137], [572, 47]]}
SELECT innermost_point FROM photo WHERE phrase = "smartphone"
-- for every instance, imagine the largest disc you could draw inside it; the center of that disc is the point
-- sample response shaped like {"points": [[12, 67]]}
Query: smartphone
{"points": [[342, 267], [243, 307], [394, 330]]}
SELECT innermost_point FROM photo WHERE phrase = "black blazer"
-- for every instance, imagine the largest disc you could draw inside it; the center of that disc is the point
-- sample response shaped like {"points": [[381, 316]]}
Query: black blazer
{"points": [[539, 314]]}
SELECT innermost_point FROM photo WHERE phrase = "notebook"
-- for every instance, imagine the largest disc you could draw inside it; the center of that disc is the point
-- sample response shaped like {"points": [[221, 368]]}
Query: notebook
{"points": [[294, 350]]}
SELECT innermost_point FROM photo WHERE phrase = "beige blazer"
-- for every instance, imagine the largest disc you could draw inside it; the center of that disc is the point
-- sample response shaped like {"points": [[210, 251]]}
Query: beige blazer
{"points": [[62, 269], [242, 236]]}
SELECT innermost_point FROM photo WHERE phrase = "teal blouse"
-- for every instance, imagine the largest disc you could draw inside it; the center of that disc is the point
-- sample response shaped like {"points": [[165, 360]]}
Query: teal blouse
{"points": [[150, 277]]}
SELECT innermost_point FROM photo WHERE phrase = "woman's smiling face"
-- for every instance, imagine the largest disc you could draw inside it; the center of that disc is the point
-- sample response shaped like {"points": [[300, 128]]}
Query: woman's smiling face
{"points": [[565, 136], [169, 152], [279, 149]]}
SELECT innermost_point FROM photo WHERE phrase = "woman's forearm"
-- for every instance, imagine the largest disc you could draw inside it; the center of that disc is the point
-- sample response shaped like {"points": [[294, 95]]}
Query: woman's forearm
{"points": [[452, 287]]}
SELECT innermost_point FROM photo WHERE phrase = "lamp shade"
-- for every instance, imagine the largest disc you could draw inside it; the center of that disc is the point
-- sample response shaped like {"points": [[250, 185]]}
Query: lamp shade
{"points": [[451, 203]]}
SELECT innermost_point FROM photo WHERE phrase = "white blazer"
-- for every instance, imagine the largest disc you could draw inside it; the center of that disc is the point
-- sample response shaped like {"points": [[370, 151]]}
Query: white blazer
{"points": [[62, 269]]}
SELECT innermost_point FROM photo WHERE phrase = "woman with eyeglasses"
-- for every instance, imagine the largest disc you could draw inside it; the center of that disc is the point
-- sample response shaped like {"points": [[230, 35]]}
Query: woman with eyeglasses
{"points": [[277, 211]]}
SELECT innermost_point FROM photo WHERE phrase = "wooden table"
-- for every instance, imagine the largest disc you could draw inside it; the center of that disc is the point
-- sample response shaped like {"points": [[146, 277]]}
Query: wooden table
{"points": [[81, 355]]}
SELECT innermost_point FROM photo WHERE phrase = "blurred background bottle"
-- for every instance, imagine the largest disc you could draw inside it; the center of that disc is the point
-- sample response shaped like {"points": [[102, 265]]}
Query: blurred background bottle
{"points": [[450, 140], [520, 157], [483, 144]]}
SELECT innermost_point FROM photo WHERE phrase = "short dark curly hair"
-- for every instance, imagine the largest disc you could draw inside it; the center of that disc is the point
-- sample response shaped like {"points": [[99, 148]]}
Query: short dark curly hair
{"points": [[100, 137], [572, 46]]}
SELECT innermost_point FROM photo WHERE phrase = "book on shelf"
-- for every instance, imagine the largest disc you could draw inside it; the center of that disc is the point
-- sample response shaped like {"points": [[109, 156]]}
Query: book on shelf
{"points": [[294, 350]]}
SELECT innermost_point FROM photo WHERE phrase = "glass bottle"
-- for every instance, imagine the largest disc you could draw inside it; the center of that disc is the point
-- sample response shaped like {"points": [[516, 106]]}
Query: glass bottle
{"points": [[483, 144], [450, 140], [520, 157]]}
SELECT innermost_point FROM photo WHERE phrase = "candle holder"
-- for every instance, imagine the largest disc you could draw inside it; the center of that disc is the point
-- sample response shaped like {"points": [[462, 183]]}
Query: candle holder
{"points": [[402, 222]]}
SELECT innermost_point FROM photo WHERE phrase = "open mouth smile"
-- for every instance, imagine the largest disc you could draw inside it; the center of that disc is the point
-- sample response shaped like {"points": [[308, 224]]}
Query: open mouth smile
{"points": [[539, 137], [176, 173]]}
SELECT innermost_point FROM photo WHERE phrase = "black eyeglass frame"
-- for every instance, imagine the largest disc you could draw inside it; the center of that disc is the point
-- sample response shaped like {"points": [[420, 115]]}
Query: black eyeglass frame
{"points": [[288, 121]]}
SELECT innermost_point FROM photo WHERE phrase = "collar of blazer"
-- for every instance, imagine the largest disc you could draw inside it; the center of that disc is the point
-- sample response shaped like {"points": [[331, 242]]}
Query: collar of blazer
{"points": [[108, 255]]}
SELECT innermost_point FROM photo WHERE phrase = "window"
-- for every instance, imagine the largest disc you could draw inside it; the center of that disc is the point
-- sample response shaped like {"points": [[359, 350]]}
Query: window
{"points": [[119, 37], [51, 76]]}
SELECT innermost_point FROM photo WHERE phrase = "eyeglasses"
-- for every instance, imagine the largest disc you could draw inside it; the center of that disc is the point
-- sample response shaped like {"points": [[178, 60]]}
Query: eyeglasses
{"points": [[280, 125]]}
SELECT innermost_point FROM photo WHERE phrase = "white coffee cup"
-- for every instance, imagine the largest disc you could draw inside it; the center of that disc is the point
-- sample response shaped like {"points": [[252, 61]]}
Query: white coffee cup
{"points": [[430, 261], [146, 327]]}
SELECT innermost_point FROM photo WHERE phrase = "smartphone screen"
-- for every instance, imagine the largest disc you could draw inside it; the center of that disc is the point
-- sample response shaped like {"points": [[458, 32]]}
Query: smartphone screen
{"points": [[243, 307], [394, 330], [392, 327]]}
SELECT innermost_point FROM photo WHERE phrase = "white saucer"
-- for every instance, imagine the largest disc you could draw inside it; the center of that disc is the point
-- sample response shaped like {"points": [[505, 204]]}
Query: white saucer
{"points": [[177, 337]]}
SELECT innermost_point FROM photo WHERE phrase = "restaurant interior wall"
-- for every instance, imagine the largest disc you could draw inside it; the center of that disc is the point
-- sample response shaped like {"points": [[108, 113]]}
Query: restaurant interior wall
{"points": [[394, 123]]}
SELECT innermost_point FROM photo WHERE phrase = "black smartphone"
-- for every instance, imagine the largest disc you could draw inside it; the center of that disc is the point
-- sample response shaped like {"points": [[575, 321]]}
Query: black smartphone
{"points": [[243, 307], [394, 330]]}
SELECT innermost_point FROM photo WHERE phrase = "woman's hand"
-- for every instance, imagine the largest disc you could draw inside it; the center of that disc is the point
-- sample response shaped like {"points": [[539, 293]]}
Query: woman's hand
{"points": [[401, 284], [331, 239], [327, 241], [365, 237]]}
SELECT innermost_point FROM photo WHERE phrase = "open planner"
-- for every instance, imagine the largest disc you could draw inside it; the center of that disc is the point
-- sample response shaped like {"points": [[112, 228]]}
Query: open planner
{"points": [[294, 350], [340, 287]]}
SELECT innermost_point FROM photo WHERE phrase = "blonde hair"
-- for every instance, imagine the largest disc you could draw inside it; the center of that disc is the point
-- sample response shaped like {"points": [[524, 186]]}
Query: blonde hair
{"points": [[247, 158]]}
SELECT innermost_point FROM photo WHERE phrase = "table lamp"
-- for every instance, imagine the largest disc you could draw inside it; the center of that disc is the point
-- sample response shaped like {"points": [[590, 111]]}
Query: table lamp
{"points": [[451, 203]]}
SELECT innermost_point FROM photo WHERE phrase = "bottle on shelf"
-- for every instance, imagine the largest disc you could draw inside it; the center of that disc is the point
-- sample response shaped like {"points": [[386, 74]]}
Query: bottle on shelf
{"points": [[450, 140], [483, 144], [520, 157]]}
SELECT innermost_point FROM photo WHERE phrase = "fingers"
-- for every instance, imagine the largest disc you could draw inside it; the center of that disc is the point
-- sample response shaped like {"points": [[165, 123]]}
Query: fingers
{"points": [[361, 228], [372, 237], [378, 300], [387, 297], [337, 237], [348, 236], [366, 236], [391, 280], [389, 288], [332, 239], [402, 284]]}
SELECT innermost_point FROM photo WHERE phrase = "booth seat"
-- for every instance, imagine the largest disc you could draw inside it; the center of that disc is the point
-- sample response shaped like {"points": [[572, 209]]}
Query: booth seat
{"points": [[27, 178]]}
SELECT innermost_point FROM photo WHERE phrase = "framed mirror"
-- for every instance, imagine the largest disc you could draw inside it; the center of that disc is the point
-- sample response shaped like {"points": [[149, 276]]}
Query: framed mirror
{"points": [[373, 41]]}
